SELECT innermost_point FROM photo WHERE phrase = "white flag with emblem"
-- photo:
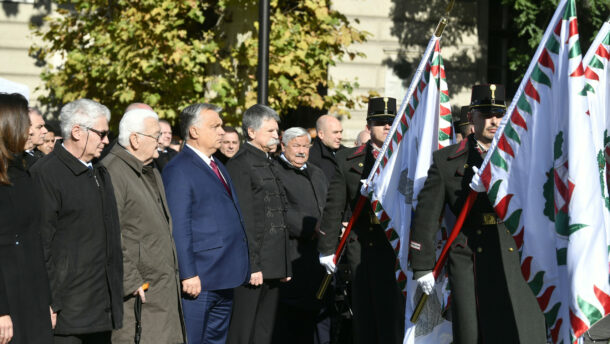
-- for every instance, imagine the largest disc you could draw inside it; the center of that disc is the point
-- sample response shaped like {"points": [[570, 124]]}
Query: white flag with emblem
{"points": [[423, 125], [542, 177]]}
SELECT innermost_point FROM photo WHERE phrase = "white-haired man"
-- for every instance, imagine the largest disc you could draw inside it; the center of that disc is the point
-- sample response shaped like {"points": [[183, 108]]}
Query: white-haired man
{"points": [[80, 229], [299, 317], [149, 253]]}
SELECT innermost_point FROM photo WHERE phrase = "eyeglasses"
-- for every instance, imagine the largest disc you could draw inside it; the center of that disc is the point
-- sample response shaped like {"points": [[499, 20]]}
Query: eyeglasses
{"points": [[156, 138], [102, 134], [381, 121]]}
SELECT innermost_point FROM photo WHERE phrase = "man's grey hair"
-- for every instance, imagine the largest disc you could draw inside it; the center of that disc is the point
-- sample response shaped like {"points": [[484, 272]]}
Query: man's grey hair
{"points": [[133, 122], [83, 112], [294, 132], [254, 117], [190, 117]]}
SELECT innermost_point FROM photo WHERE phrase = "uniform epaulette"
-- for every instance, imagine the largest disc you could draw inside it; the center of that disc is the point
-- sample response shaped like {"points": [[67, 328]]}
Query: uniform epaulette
{"points": [[360, 151], [461, 149]]}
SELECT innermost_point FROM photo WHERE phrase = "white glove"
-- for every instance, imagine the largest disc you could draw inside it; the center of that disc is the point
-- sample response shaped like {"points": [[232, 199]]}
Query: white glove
{"points": [[476, 183], [426, 283], [328, 262]]}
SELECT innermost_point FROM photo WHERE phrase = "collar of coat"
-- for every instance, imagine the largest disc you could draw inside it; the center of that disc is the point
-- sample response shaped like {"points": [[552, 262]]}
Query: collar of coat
{"points": [[131, 161], [324, 150], [461, 148], [360, 151], [71, 161]]}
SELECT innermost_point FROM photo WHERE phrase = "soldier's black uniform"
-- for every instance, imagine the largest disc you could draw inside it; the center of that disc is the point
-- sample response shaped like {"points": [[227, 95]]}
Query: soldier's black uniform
{"points": [[490, 302], [377, 301]]}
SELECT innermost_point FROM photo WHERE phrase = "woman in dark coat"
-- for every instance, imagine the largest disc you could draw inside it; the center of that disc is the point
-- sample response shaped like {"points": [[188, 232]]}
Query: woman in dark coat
{"points": [[24, 289]]}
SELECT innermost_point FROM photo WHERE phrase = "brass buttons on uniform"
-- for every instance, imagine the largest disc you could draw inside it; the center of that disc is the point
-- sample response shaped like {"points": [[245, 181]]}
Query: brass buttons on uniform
{"points": [[465, 166], [510, 249], [360, 164], [479, 232], [479, 249]]}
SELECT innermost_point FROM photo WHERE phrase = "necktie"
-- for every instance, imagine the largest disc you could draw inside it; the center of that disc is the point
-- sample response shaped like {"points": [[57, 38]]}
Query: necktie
{"points": [[222, 180]]}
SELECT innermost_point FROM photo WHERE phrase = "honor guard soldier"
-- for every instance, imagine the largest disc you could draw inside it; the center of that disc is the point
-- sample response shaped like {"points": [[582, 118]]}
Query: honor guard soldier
{"points": [[378, 304], [490, 303]]}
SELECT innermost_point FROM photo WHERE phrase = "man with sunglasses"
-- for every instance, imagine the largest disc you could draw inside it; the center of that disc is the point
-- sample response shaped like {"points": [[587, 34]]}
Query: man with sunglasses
{"points": [[378, 305], [80, 229], [490, 301]]}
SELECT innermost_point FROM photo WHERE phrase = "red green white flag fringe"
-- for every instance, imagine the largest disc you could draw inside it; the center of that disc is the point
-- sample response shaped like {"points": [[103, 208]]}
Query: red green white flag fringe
{"points": [[541, 175], [422, 126]]}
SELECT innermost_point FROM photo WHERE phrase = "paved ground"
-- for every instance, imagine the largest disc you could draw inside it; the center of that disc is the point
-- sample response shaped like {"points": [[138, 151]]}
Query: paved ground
{"points": [[600, 333]]}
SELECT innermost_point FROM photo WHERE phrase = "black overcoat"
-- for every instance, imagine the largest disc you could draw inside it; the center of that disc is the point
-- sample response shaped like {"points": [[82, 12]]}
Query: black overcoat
{"points": [[490, 303], [263, 207], [82, 243], [378, 304], [306, 195], [323, 157], [24, 287]]}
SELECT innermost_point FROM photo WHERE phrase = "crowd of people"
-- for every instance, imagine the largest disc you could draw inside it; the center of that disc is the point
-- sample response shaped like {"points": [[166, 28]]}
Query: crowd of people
{"points": [[226, 236]]}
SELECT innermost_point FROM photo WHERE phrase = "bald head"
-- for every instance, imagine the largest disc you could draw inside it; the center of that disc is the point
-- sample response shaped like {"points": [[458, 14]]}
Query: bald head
{"points": [[329, 131], [363, 137], [134, 106]]}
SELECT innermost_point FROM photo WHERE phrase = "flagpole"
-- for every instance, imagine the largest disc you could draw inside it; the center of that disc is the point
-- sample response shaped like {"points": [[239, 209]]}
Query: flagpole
{"points": [[440, 262], [476, 184], [438, 32]]}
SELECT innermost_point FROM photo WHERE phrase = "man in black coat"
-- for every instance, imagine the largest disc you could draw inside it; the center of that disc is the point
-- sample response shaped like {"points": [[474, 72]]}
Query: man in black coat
{"points": [[80, 229], [490, 302], [305, 186], [263, 206], [378, 304], [35, 138], [327, 143]]}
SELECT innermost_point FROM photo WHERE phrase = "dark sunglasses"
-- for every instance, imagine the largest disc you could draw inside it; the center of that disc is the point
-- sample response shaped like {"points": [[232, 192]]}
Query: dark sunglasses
{"points": [[101, 134], [493, 112], [381, 121]]}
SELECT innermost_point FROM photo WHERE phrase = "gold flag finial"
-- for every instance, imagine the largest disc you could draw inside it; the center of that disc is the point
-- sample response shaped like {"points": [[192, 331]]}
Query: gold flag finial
{"points": [[492, 88]]}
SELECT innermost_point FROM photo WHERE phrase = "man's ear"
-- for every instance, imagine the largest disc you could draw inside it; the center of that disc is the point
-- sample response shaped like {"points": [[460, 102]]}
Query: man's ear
{"points": [[134, 141], [76, 132], [368, 127], [469, 115], [251, 133], [193, 133]]}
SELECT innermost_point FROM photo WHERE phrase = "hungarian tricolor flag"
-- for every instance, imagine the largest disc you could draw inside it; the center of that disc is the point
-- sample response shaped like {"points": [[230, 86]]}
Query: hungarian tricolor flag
{"points": [[597, 75], [542, 176], [423, 125]]}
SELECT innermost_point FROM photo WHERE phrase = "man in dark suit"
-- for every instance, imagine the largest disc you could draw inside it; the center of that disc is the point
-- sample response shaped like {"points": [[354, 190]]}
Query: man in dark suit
{"points": [[263, 205], [326, 144], [378, 304], [299, 319], [36, 137], [207, 225], [490, 300]]}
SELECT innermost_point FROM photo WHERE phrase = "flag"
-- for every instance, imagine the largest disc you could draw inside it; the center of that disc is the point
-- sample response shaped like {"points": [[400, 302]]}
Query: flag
{"points": [[597, 75], [542, 177], [423, 125]]}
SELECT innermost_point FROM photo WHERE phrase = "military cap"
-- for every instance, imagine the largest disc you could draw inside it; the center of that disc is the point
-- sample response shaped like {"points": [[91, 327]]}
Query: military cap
{"points": [[381, 107], [489, 97], [463, 120]]}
